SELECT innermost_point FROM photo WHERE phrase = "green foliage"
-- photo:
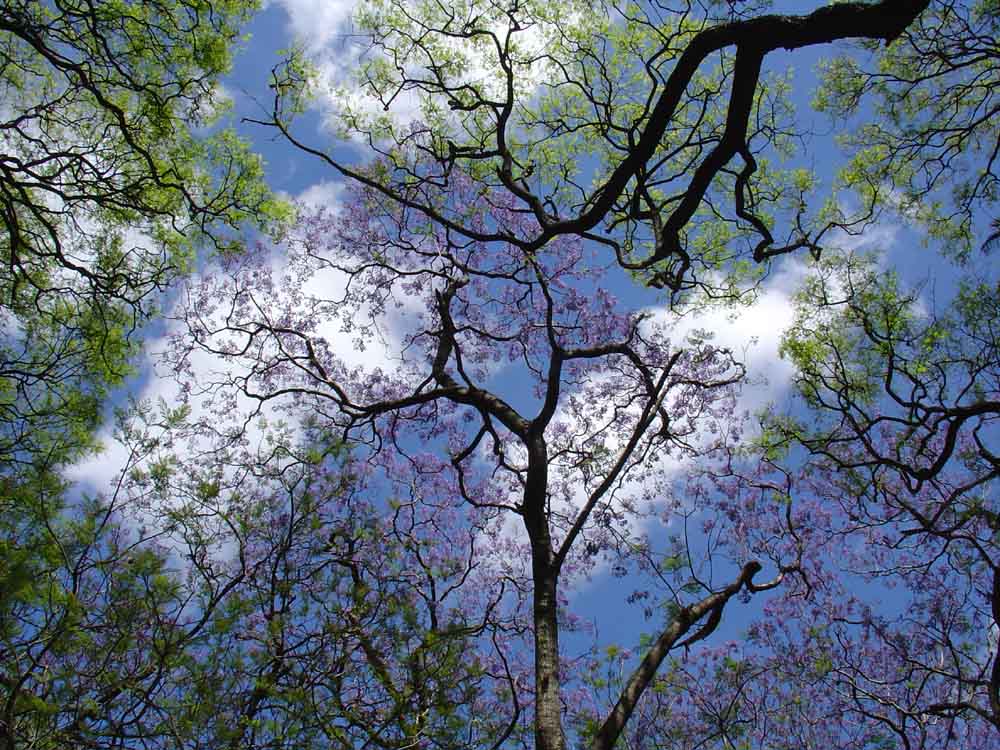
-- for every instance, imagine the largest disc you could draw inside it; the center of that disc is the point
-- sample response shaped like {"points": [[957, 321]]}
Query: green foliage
{"points": [[928, 147], [860, 335], [117, 170], [827, 343], [545, 101]]}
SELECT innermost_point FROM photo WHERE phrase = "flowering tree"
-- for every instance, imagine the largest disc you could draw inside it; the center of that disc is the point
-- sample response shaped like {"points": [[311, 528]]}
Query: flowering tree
{"points": [[551, 151], [403, 572], [879, 629], [908, 404], [886, 635], [555, 476]]}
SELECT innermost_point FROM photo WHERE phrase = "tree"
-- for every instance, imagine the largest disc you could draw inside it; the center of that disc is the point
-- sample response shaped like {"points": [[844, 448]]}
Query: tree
{"points": [[906, 405], [109, 181], [886, 635], [541, 128], [113, 175], [255, 600], [575, 458], [929, 148], [902, 385], [490, 497], [94, 617], [606, 123]]}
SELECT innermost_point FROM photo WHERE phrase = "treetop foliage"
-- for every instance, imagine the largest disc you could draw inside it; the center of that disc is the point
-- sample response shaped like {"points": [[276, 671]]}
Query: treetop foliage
{"points": [[648, 128], [111, 178], [316, 547]]}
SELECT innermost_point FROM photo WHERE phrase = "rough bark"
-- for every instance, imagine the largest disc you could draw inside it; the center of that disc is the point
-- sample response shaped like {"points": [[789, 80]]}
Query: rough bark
{"points": [[549, 733]]}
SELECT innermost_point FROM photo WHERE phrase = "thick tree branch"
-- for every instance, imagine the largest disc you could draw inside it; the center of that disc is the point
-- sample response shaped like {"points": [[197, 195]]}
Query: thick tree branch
{"points": [[640, 679], [753, 39]]}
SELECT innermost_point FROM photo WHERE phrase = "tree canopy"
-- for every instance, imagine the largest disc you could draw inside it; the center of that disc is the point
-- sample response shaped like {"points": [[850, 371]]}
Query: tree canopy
{"points": [[114, 173], [321, 547], [109, 181]]}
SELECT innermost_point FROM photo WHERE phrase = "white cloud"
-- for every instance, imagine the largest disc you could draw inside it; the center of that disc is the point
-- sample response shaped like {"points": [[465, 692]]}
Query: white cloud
{"points": [[325, 194], [318, 23], [878, 237], [102, 471]]}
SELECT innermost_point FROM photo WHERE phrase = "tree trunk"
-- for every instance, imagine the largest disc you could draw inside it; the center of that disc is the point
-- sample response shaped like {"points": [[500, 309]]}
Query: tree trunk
{"points": [[545, 577], [548, 704]]}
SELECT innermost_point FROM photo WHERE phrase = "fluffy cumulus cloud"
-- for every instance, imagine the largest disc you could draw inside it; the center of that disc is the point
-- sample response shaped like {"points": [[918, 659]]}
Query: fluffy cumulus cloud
{"points": [[321, 195], [101, 473], [318, 24]]}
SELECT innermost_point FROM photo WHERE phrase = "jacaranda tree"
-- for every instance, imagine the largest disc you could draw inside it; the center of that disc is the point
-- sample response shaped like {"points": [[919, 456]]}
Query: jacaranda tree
{"points": [[555, 477], [394, 555], [652, 137]]}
